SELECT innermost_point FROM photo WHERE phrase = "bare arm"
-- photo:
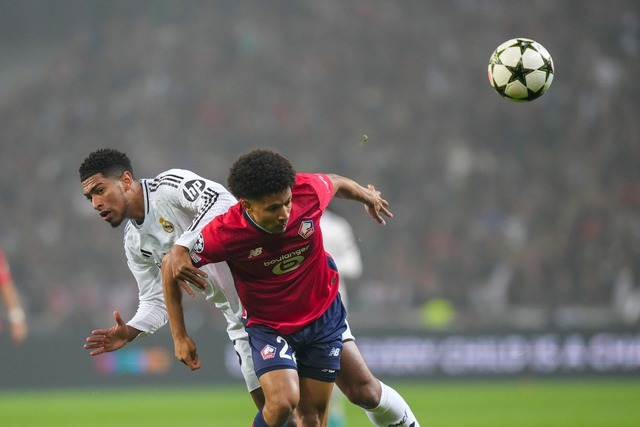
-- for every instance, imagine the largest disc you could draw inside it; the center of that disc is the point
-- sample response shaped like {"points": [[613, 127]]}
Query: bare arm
{"points": [[16, 313], [184, 346], [374, 204]]}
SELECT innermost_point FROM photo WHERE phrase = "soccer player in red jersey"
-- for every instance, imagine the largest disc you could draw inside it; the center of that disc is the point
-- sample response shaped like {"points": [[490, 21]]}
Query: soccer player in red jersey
{"points": [[286, 281], [9, 293]]}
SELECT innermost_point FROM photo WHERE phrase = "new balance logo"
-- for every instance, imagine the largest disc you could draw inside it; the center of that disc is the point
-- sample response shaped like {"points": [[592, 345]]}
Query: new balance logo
{"points": [[255, 252], [402, 422], [335, 352]]}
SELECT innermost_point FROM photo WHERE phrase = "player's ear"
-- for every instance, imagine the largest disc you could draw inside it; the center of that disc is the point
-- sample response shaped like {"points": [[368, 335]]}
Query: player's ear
{"points": [[246, 205], [126, 179]]}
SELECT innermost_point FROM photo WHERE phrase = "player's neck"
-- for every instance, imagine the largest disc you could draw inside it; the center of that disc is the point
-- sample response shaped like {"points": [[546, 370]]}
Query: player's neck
{"points": [[254, 222], [137, 200]]}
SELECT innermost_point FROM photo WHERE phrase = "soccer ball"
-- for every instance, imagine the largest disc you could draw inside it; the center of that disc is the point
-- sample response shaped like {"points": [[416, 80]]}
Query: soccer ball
{"points": [[521, 70]]}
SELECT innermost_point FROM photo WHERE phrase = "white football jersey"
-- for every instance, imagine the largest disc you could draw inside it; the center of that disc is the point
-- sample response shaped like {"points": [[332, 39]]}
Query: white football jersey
{"points": [[178, 204], [340, 242]]}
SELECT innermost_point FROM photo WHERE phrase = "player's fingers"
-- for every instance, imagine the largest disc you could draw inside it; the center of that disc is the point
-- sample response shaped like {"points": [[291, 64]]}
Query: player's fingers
{"points": [[97, 352], [194, 363], [199, 272], [187, 288], [371, 188], [196, 277], [374, 214], [387, 212], [118, 319]]}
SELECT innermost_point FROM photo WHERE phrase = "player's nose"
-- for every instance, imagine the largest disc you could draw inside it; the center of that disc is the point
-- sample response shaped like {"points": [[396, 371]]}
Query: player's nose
{"points": [[96, 202], [284, 213]]}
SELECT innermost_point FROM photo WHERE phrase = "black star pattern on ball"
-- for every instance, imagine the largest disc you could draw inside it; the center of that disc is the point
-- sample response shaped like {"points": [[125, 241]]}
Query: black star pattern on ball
{"points": [[524, 45], [519, 73], [547, 66]]}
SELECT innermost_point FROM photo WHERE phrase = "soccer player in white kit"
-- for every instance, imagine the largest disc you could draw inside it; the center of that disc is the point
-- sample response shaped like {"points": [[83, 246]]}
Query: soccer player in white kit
{"points": [[173, 208], [340, 242]]}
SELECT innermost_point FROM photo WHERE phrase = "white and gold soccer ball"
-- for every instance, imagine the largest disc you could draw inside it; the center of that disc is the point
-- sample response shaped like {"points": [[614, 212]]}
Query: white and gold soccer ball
{"points": [[521, 70]]}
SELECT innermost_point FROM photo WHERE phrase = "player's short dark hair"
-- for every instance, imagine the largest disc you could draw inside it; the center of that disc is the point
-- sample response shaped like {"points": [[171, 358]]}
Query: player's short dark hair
{"points": [[107, 161], [259, 173]]}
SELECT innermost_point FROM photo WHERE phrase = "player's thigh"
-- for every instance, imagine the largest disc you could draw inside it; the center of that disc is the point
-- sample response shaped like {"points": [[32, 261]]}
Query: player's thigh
{"points": [[281, 388], [314, 400], [355, 379]]}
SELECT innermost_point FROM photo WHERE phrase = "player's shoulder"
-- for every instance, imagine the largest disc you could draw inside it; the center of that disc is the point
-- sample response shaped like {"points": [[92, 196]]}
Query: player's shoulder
{"points": [[173, 179], [313, 186], [313, 179], [304, 177], [175, 175], [184, 177], [230, 222], [232, 217], [169, 179]]}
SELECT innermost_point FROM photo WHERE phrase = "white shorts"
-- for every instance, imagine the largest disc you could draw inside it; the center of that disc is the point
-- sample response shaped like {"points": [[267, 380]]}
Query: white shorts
{"points": [[243, 351], [347, 335]]}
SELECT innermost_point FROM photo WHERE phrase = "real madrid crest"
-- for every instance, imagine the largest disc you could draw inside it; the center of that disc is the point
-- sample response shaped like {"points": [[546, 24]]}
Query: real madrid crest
{"points": [[166, 225]]}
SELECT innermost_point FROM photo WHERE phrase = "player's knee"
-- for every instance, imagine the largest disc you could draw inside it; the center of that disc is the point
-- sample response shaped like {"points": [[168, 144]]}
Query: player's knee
{"points": [[364, 394], [281, 406], [313, 415], [293, 421], [312, 421]]}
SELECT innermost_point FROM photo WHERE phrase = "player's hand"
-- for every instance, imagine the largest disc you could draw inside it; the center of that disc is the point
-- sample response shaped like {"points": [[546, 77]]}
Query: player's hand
{"points": [[178, 264], [19, 331], [377, 205], [186, 352], [106, 340]]}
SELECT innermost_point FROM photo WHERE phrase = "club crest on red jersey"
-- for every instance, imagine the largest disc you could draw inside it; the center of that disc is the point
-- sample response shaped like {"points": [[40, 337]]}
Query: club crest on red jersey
{"points": [[306, 228]]}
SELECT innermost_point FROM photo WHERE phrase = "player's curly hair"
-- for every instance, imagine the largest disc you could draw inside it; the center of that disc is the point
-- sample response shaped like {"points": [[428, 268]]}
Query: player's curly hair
{"points": [[107, 161], [259, 173]]}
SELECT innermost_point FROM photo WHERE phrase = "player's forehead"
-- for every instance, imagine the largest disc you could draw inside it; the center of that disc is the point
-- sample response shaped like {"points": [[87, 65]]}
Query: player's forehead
{"points": [[276, 199], [90, 184]]}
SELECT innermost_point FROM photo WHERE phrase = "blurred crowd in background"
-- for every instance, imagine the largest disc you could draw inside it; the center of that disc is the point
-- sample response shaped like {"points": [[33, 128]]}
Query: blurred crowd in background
{"points": [[506, 215]]}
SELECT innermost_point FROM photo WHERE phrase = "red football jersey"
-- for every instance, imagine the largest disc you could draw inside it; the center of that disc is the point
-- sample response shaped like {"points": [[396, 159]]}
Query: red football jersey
{"points": [[284, 281], [5, 272]]}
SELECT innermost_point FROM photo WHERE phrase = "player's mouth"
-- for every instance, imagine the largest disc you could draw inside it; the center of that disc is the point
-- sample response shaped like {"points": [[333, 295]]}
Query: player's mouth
{"points": [[106, 215]]}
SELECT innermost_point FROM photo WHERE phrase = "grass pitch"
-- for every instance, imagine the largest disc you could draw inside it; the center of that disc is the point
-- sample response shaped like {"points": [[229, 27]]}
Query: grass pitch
{"points": [[442, 404]]}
